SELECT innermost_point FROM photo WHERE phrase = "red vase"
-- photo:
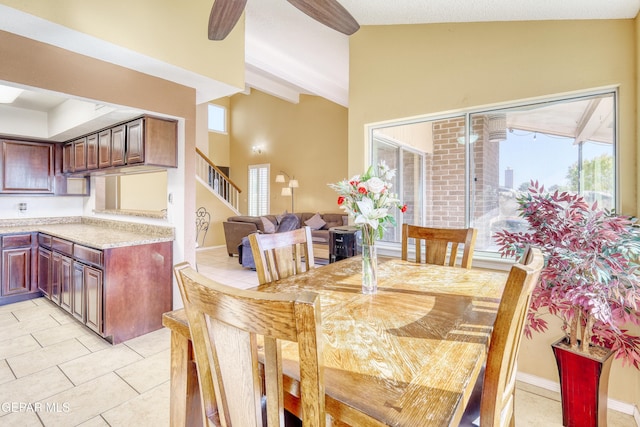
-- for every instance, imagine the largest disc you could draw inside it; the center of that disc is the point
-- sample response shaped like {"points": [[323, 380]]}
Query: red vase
{"points": [[584, 381]]}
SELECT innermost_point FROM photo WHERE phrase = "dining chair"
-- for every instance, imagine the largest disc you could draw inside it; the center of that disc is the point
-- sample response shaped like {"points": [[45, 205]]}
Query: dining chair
{"points": [[281, 255], [440, 244], [226, 325], [493, 397]]}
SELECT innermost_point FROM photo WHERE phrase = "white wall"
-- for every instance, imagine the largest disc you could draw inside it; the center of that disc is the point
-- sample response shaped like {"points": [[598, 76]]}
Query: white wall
{"points": [[41, 206]]}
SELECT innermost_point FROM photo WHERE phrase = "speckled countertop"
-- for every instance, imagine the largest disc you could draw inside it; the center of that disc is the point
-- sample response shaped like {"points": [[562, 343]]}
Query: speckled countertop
{"points": [[93, 232]]}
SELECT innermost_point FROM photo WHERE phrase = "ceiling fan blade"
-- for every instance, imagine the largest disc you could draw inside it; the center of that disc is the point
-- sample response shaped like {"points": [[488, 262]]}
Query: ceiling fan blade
{"points": [[330, 13], [224, 16]]}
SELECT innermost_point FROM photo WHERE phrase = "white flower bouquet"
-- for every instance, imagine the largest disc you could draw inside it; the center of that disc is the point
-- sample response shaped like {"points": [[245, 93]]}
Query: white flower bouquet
{"points": [[369, 200]]}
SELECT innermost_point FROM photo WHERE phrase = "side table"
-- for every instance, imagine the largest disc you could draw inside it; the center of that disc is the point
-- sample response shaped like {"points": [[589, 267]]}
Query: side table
{"points": [[343, 243]]}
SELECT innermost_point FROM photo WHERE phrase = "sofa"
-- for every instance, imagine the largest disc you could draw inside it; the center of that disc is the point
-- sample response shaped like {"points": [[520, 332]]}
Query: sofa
{"points": [[237, 227]]}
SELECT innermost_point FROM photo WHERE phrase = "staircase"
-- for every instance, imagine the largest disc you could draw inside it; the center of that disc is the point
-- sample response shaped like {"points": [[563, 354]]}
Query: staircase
{"points": [[219, 183]]}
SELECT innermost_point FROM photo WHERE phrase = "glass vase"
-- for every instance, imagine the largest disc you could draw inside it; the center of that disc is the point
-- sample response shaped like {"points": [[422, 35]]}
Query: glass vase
{"points": [[369, 269]]}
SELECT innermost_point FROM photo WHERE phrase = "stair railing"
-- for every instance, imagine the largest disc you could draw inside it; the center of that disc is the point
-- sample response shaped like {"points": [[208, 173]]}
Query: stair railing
{"points": [[217, 180]]}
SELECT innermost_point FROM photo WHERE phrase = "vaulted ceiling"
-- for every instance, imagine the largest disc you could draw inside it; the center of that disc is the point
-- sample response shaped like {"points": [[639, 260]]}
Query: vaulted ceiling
{"points": [[287, 53]]}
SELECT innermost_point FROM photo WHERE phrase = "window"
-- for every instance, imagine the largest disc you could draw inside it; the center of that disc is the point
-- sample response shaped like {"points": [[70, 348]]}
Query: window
{"points": [[217, 118], [407, 183], [477, 163], [258, 190]]}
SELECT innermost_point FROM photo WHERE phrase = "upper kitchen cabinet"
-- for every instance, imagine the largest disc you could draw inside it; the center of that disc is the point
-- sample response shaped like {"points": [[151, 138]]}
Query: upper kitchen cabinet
{"points": [[27, 167], [92, 151], [152, 141], [147, 141]]}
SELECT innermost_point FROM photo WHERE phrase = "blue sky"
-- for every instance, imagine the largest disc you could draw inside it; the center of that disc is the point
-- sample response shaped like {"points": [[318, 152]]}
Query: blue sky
{"points": [[547, 158]]}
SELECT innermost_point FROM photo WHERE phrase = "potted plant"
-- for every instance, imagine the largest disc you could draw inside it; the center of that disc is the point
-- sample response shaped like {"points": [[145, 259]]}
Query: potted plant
{"points": [[590, 281]]}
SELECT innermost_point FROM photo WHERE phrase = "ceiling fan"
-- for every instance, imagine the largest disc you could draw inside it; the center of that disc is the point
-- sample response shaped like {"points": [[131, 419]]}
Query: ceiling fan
{"points": [[225, 14]]}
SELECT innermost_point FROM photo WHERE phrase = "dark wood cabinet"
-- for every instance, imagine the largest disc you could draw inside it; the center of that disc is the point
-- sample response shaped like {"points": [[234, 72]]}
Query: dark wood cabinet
{"points": [[120, 293], [135, 142], [64, 279], [44, 271], [80, 155], [147, 141], [92, 152], [104, 148], [92, 279], [118, 146], [61, 272], [27, 167], [16, 271], [17, 281], [78, 301], [67, 158]]}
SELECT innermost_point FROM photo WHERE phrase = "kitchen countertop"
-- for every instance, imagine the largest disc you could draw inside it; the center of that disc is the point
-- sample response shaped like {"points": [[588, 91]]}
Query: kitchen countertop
{"points": [[92, 232]]}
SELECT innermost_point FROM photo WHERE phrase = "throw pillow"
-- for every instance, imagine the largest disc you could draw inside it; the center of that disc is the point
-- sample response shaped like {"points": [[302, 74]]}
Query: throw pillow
{"points": [[315, 222], [268, 226], [279, 217]]}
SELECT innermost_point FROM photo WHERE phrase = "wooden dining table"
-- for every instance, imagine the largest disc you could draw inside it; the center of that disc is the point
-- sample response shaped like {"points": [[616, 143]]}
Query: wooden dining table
{"points": [[408, 355]]}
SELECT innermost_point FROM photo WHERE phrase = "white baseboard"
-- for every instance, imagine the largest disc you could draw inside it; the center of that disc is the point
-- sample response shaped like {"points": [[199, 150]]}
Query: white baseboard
{"points": [[616, 405]]}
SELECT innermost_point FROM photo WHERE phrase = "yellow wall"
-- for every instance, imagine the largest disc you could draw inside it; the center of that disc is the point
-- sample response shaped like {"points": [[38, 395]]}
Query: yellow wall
{"points": [[307, 140], [145, 191], [167, 30], [450, 67]]}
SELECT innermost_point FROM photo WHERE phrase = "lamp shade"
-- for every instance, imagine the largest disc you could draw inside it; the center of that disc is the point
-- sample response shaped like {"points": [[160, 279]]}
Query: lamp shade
{"points": [[279, 178], [286, 191], [293, 183]]}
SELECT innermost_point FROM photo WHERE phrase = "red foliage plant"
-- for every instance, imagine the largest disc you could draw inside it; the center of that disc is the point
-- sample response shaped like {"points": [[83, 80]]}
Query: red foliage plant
{"points": [[590, 279]]}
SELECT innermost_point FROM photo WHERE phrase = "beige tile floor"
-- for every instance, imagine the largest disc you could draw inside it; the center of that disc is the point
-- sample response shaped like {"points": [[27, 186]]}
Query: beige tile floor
{"points": [[54, 372]]}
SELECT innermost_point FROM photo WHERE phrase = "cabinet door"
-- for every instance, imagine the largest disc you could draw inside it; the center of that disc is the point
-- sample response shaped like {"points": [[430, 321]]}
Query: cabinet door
{"points": [[78, 303], [118, 137], [44, 271], [56, 276], [135, 141], [92, 151], [67, 158], [27, 167], [80, 154], [104, 149], [93, 297], [16, 271], [66, 277]]}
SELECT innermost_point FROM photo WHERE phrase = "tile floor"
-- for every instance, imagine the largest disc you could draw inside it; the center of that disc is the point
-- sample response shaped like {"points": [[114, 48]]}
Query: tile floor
{"points": [[54, 372]]}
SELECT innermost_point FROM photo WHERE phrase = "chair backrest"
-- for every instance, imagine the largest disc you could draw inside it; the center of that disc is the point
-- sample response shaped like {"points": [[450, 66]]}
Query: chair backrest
{"points": [[497, 402], [440, 244], [225, 324], [281, 255]]}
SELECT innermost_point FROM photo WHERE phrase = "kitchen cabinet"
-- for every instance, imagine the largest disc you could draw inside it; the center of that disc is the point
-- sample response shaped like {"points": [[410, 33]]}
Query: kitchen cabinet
{"points": [[27, 167], [67, 158], [92, 151], [146, 141], [118, 145], [61, 272], [80, 154], [135, 141], [92, 285], [44, 271], [104, 148], [62, 275], [119, 293], [17, 255]]}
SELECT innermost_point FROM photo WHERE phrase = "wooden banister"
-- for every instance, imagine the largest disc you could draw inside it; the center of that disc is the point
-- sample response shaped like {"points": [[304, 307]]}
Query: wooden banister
{"points": [[206, 159]]}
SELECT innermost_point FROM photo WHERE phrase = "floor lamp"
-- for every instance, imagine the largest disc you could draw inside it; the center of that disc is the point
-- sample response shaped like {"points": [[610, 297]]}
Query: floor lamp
{"points": [[287, 191]]}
